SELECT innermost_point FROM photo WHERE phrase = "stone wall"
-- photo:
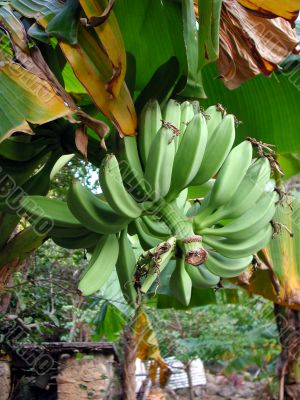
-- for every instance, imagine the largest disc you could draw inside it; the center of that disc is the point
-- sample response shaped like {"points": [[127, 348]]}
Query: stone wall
{"points": [[88, 377], [5, 380]]}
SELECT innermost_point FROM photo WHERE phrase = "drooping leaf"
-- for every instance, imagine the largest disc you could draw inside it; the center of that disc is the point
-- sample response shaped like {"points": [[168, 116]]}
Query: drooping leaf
{"points": [[251, 44], [111, 38], [208, 33], [25, 97], [90, 63], [193, 87], [283, 8], [148, 347], [29, 92]]}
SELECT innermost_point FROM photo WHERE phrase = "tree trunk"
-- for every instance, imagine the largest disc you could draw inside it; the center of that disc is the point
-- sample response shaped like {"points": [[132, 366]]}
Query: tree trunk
{"points": [[189, 376], [129, 384], [288, 366]]}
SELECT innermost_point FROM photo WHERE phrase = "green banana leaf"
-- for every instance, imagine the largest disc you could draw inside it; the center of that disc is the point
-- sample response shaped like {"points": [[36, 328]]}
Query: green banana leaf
{"points": [[194, 85], [153, 33], [208, 32], [267, 107]]}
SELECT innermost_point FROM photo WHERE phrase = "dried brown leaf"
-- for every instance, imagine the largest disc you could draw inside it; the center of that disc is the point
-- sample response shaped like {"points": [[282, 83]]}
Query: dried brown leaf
{"points": [[81, 140], [251, 44]]}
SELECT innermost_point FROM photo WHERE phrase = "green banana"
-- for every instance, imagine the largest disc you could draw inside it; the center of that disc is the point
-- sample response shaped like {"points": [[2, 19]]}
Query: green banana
{"points": [[113, 188], [159, 167], [149, 124], [181, 283], [132, 171], [250, 189], [213, 119], [86, 240], [198, 192], [248, 192], [250, 222], [189, 156], [228, 180], [16, 150], [147, 241], [101, 265], [125, 268], [218, 146], [37, 184], [59, 232], [52, 210], [226, 267], [94, 213], [181, 199], [187, 114], [20, 171], [156, 227], [171, 114], [201, 277], [231, 174], [238, 249]]}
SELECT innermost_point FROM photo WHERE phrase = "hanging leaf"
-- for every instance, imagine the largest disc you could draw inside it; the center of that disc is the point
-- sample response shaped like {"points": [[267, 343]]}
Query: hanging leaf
{"points": [[193, 87], [81, 140], [148, 347], [251, 44], [102, 18], [91, 63], [208, 33], [287, 9], [29, 91]]}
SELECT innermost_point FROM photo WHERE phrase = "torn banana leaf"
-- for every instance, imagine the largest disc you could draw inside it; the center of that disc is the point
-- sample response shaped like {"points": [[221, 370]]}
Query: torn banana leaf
{"points": [[29, 91], [251, 44], [90, 59]]}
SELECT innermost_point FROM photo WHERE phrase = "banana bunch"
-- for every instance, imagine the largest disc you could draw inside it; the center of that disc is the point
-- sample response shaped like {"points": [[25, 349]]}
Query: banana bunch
{"points": [[145, 197]]}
